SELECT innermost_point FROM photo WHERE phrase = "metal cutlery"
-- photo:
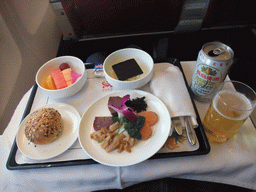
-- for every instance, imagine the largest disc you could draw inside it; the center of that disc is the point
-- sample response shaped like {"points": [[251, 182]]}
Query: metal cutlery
{"points": [[178, 123], [191, 134]]}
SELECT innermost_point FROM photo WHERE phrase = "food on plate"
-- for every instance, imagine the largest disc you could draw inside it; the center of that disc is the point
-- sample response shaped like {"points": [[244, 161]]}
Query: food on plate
{"points": [[114, 100], [137, 104], [100, 122], [145, 131], [150, 119], [43, 126], [123, 110], [123, 131], [61, 77], [127, 70], [110, 140]]}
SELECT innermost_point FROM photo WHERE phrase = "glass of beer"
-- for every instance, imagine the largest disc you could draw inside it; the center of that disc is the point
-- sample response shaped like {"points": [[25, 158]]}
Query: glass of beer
{"points": [[230, 107]]}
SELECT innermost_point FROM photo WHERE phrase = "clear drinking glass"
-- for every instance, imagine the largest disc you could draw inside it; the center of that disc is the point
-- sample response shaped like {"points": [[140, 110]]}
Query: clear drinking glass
{"points": [[230, 107]]}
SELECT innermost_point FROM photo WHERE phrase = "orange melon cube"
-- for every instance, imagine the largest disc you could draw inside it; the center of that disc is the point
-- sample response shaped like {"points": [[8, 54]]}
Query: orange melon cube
{"points": [[58, 78], [67, 76], [49, 83], [45, 85]]}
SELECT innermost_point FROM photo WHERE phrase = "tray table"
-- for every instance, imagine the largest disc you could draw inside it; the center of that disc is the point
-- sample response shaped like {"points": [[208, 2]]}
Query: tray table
{"points": [[203, 144]]}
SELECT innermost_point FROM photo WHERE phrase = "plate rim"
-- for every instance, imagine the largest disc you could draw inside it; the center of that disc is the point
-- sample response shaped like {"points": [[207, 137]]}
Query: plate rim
{"points": [[124, 92]]}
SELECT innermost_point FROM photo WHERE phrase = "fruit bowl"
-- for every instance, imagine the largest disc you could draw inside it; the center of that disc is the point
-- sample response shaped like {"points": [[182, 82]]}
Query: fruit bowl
{"points": [[75, 64], [143, 59]]}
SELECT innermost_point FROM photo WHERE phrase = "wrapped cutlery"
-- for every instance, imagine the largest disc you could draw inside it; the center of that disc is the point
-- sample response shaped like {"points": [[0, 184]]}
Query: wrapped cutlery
{"points": [[169, 86]]}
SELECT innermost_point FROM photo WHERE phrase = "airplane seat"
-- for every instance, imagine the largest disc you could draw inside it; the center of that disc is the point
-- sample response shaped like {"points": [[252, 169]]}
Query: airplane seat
{"points": [[102, 18], [230, 13], [113, 17]]}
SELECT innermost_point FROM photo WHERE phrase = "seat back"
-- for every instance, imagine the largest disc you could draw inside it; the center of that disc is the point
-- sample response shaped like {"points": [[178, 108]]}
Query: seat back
{"points": [[103, 18], [114, 17], [230, 13]]}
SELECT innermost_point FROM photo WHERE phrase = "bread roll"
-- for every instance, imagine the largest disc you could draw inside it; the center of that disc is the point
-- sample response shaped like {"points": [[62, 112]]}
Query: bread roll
{"points": [[43, 126]]}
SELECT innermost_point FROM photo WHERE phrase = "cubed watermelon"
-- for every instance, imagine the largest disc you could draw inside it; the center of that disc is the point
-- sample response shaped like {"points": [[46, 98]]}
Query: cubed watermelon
{"points": [[58, 78]]}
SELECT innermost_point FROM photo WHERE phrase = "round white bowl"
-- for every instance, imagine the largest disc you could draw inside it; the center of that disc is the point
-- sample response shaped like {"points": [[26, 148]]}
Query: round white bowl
{"points": [[143, 59], [75, 64]]}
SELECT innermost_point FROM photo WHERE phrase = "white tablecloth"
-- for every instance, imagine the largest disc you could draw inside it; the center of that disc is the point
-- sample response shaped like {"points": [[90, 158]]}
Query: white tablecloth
{"points": [[232, 163]]}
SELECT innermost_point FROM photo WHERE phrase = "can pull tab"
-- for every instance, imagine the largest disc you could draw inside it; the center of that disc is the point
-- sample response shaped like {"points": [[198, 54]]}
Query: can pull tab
{"points": [[216, 52]]}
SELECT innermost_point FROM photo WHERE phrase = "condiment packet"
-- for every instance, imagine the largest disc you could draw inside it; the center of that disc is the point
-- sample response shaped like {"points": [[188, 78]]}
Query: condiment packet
{"points": [[98, 69]]}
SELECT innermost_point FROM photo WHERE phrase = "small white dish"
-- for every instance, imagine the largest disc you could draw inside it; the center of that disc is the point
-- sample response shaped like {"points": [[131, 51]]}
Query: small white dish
{"points": [[144, 60], [75, 64], [143, 149], [70, 119]]}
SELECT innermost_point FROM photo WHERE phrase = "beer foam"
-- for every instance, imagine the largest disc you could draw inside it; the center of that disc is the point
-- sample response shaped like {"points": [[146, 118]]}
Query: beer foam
{"points": [[237, 100]]}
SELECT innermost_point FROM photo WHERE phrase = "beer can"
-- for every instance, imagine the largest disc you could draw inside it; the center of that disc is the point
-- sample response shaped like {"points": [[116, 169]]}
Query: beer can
{"points": [[212, 65]]}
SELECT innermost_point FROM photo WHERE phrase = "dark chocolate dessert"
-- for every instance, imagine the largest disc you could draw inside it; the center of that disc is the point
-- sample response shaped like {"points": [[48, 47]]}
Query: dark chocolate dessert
{"points": [[127, 69]]}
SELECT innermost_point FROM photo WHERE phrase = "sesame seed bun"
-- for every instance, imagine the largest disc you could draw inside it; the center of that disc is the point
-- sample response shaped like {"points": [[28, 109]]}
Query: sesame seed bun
{"points": [[43, 126]]}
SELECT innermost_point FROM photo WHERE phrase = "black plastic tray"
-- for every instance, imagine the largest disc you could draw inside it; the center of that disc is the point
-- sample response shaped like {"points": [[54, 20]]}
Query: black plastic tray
{"points": [[203, 149]]}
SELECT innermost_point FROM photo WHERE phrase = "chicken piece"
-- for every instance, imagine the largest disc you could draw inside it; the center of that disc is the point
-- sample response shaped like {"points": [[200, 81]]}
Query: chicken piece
{"points": [[99, 135], [121, 148], [115, 143], [114, 126], [105, 143], [127, 147], [96, 136], [109, 140], [129, 143]]}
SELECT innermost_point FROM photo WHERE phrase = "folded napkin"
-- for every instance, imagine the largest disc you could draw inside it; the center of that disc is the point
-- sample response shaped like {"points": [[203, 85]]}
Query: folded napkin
{"points": [[169, 86]]}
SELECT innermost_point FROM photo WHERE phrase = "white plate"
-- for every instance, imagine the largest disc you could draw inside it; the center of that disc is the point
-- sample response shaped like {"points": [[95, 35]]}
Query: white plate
{"points": [[70, 119], [141, 151]]}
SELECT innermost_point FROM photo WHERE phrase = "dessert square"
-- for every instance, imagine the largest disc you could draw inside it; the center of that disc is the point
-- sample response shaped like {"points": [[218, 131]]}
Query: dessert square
{"points": [[127, 69]]}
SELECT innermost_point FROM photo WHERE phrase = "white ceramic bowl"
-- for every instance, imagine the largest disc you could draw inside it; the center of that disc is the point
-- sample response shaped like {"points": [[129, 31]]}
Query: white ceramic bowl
{"points": [[75, 64], [143, 59]]}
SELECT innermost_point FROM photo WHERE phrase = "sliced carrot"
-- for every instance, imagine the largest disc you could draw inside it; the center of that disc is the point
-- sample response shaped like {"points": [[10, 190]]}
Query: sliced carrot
{"points": [[151, 117], [145, 131]]}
